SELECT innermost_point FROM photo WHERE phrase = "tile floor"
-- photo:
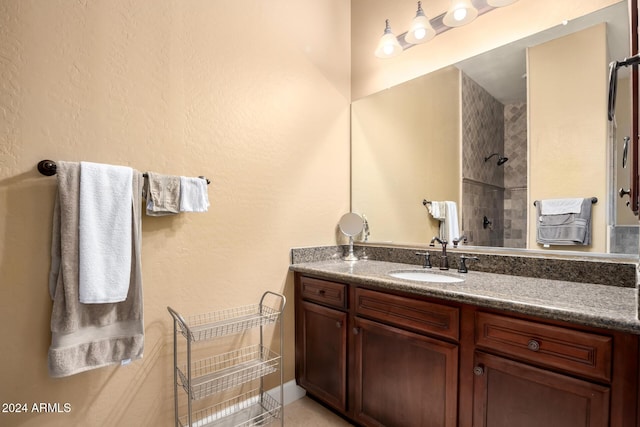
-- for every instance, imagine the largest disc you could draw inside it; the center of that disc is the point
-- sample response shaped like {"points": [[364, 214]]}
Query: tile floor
{"points": [[309, 413]]}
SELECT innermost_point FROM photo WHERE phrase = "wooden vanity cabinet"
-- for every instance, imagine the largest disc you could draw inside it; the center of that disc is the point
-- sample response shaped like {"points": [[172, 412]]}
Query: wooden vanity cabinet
{"points": [[380, 359], [402, 377], [321, 340], [507, 393], [395, 359], [513, 390], [532, 372]]}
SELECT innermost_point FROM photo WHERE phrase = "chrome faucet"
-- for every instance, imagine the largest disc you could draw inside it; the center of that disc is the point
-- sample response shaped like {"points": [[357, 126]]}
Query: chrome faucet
{"points": [[457, 241], [444, 259]]}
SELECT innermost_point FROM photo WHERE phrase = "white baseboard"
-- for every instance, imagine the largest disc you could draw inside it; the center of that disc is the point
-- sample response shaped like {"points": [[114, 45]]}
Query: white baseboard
{"points": [[291, 392]]}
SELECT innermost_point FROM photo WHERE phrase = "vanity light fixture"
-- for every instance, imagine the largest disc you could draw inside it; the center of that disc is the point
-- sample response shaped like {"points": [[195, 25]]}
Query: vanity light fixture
{"points": [[388, 46], [460, 13], [421, 30], [500, 3]]}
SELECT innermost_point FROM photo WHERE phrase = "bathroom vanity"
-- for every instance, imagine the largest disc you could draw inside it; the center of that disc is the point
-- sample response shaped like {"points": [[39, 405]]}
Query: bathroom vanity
{"points": [[492, 350]]}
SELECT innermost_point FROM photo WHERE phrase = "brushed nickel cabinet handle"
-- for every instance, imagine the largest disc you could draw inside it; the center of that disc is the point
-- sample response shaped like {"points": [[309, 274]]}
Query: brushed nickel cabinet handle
{"points": [[339, 324], [356, 331], [478, 370]]}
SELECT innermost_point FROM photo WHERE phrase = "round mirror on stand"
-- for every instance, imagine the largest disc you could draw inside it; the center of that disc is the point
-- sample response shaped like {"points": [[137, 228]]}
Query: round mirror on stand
{"points": [[351, 224]]}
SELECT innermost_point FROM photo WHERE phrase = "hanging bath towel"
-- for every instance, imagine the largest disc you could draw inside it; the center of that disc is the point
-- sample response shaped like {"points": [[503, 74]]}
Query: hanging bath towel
{"points": [[89, 336], [567, 228]]}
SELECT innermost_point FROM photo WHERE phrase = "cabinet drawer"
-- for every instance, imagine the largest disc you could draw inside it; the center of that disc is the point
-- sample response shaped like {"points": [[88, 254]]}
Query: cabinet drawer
{"points": [[578, 352], [329, 293], [434, 319]]}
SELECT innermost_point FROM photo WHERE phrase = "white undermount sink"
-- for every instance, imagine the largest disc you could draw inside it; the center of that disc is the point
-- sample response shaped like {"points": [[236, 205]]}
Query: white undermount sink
{"points": [[425, 276]]}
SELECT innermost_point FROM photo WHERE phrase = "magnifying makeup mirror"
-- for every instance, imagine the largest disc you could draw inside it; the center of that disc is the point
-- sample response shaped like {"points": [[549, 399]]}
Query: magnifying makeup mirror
{"points": [[351, 224]]}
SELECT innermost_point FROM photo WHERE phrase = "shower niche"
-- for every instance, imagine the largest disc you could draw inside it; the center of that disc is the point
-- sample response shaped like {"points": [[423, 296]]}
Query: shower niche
{"points": [[494, 168]]}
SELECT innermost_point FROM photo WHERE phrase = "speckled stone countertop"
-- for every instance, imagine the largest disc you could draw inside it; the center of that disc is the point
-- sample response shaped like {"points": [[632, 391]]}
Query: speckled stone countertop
{"points": [[588, 304]]}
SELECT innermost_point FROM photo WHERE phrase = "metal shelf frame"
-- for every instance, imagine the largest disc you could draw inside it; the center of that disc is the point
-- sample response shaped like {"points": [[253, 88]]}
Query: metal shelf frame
{"points": [[206, 377]]}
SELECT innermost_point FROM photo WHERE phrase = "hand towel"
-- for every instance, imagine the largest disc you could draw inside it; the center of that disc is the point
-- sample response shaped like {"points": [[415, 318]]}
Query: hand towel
{"points": [[449, 226], [104, 232], [162, 193], [561, 206], [89, 336], [193, 195], [437, 210]]}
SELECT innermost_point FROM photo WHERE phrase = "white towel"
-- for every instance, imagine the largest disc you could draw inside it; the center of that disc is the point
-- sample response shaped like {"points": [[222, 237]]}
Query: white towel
{"points": [[561, 206], [437, 210], [449, 226], [104, 233], [193, 194]]}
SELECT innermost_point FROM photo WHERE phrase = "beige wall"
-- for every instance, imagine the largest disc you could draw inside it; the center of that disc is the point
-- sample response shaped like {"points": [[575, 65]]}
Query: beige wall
{"points": [[500, 26], [242, 91], [405, 148], [568, 133]]}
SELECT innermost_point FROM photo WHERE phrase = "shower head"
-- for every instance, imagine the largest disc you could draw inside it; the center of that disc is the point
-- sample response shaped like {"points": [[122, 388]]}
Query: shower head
{"points": [[501, 159]]}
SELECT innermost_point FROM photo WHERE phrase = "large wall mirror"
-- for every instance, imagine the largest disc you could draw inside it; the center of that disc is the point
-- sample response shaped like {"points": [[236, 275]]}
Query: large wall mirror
{"points": [[496, 132]]}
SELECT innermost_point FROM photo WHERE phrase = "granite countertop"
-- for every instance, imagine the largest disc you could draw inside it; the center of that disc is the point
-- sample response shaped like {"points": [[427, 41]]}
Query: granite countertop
{"points": [[588, 304]]}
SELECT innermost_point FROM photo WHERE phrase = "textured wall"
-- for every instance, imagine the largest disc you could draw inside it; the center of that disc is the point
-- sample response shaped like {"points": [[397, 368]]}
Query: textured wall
{"points": [[221, 89]]}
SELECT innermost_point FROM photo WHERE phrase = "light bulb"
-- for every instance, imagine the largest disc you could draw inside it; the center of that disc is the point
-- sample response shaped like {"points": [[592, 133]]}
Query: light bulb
{"points": [[388, 45], [421, 30], [459, 14], [388, 49]]}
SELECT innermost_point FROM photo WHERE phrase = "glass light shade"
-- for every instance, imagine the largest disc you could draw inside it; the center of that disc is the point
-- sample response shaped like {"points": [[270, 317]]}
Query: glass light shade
{"points": [[421, 30], [460, 13], [388, 45], [500, 3]]}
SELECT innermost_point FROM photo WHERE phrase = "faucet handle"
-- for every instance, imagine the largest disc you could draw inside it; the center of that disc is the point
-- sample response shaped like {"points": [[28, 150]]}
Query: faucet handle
{"points": [[457, 241], [462, 268], [427, 258]]}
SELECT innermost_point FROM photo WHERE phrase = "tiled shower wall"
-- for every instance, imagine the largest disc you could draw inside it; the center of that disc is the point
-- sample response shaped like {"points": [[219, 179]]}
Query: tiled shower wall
{"points": [[515, 176], [482, 182], [497, 192]]}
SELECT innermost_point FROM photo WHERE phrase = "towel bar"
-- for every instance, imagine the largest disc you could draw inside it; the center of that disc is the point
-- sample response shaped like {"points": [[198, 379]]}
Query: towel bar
{"points": [[594, 200], [49, 168]]}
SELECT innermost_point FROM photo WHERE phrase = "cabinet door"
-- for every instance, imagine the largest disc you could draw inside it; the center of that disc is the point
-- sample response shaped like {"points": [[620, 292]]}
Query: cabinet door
{"points": [[508, 394], [402, 378], [322, 359]]}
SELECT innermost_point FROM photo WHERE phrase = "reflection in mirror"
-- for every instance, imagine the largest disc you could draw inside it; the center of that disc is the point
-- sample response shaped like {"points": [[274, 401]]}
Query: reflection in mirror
{"points": [[428, 138]]}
